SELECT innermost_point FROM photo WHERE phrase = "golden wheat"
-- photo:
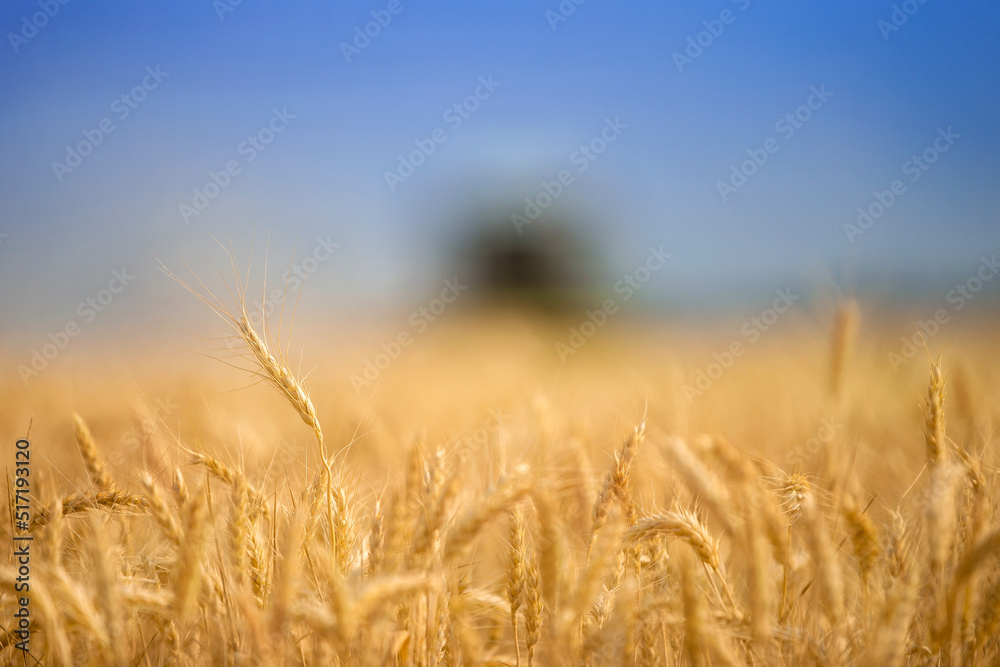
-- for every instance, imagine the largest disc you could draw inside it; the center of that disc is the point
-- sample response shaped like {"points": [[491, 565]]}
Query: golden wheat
{"points": [[689, 549]]}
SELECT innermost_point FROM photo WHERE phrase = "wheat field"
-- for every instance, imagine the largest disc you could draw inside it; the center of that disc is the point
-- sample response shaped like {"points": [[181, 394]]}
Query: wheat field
{"points": [[486, 504]]}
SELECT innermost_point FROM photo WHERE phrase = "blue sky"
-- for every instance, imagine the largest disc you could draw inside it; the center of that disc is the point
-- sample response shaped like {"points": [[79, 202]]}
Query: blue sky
{"points": [[323, 175]]}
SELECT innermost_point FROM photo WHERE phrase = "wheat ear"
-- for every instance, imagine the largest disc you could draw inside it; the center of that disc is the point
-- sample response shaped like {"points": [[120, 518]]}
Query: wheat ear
{"points": [[682, 524], [934, 417], [515, 573], [161, 513], [91, 459]]}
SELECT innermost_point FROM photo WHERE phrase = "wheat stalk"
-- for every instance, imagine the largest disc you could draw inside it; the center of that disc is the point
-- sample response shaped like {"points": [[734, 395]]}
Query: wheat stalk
{"points": [[828, 576], [516, 572], [161, 514], [270, 367], [188, 568], [844, 328], [864, 538], [91, 458], [533, 609], [376, 541], [937, 448]]}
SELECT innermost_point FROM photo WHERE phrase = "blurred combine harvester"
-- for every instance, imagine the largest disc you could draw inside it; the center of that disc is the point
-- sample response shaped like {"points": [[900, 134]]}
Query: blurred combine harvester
{"points": [[551, 267]]}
